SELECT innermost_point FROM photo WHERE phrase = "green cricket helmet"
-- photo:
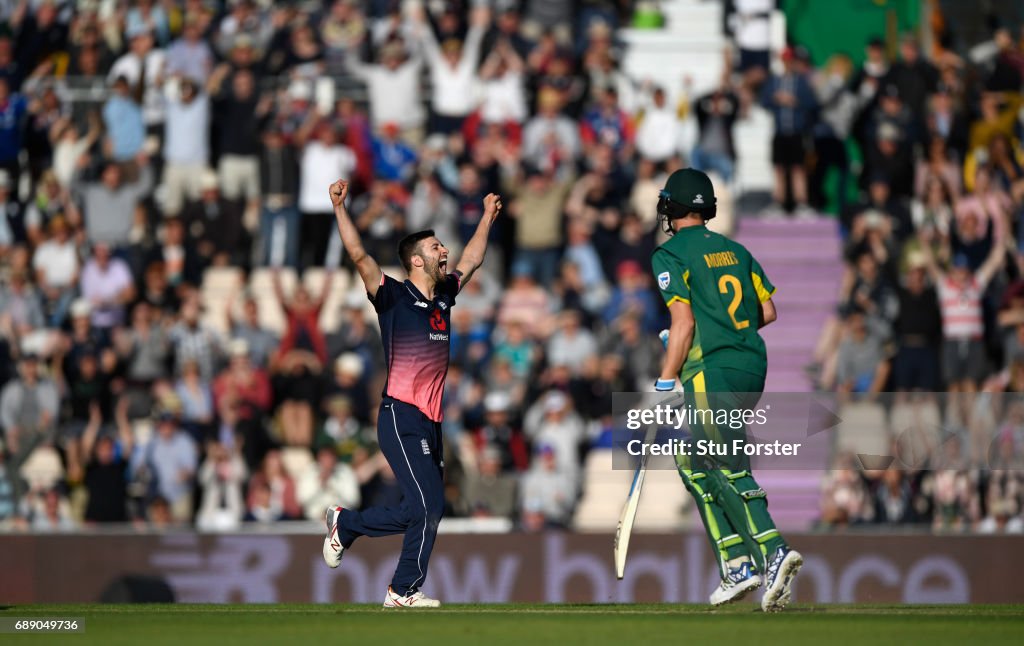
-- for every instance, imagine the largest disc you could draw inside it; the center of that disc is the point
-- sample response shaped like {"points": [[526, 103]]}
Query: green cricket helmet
{"points": [[687, 190]]}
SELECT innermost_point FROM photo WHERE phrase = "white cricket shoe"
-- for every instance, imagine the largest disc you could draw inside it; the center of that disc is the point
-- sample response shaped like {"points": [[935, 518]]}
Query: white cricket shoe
{"points": [[782, 569], [804, 212], [737, 584], [415, 600], [333, 551]]}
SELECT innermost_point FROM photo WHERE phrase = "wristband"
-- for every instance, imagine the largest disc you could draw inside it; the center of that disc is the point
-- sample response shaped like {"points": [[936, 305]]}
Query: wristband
{"points": [[665, 385]]}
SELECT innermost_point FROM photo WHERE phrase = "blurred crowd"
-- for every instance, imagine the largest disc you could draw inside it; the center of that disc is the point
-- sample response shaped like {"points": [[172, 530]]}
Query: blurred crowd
{"points": [[934, 275], [147, 143]]}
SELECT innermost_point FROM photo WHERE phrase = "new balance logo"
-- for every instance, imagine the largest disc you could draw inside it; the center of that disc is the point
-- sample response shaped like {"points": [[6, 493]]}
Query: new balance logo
{"points": [[425, 446], [422, 304]]}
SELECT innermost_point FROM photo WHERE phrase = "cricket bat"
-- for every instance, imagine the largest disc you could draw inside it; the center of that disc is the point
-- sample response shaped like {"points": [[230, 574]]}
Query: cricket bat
{"points": [[628, 515]]}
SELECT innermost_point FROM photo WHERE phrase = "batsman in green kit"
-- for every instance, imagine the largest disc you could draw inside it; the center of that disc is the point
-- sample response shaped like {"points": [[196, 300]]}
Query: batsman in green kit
{"points": [[719, 297]]}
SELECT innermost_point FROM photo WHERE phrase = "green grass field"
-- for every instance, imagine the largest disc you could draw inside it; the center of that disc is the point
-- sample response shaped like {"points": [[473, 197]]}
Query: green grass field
{"points": [[833, 625]]}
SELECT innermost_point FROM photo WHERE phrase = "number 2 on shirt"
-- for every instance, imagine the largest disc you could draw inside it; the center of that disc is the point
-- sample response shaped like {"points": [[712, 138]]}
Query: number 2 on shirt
{"points": [[729, 283]]}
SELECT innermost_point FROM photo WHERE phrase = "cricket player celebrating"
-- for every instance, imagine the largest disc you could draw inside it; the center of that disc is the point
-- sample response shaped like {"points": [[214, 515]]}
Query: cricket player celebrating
{"points": [[415, 326], [719, 297]]}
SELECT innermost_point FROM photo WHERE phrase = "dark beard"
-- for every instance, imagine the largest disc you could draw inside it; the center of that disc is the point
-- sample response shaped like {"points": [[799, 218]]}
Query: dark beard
{"points": [[434, 271]]}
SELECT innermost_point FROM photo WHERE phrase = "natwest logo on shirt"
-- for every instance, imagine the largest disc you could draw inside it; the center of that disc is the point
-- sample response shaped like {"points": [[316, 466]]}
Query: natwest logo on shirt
{"points": [[437, 322]]}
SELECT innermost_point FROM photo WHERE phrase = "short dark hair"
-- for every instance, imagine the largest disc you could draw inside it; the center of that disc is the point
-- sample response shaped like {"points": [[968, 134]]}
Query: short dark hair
{"points": [[407, 247]]}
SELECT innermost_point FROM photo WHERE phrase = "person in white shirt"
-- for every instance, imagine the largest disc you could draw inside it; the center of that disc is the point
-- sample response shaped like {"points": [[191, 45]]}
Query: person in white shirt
{"points": [[108, 285], [572, 346], [326, 482], [222, 475], [504, 95], [453, 73], [750, 25], [552, 421], [550, 139], [393, 87], [69, 146], [657, 137], [56, 266], [143, 63], [324, 159], [186, 145]]}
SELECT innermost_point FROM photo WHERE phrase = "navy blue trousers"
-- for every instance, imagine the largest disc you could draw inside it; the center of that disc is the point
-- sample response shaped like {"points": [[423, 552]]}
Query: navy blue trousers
{"points": [[411, 443]]}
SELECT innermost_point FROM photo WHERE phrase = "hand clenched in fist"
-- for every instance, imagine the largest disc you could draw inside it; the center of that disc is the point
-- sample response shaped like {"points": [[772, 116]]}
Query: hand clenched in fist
{"points": [[339, 191], [492, 205]]}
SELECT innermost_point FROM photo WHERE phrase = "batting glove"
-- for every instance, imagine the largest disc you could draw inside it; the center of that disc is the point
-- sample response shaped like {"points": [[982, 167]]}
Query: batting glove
{"points": [[665, 385]]}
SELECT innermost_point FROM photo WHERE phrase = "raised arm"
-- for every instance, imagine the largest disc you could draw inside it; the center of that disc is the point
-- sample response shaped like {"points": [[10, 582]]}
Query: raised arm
{"points": [[124, 427], [215, 84], [304, 131], [476, 248], [513, 60], [279, 295], [425, 34], [489, 68], [92, 430], [479, 22], [992, 264], [229, 311], [931, 264], [355, 66], [367, 267], [94, 132], [325, 289]]}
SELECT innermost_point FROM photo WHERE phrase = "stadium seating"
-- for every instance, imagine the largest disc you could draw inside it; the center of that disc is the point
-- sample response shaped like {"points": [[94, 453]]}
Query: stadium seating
{"points": [[665, 505], [220, 285], [296, 460], [43, 469], [863, 429], [261, 286], [916, 429]]}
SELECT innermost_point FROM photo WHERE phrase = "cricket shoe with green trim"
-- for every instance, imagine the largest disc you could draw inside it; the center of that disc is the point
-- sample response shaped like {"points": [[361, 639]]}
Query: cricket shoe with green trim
{"points": [[411, 600], [782, 569], [738, 583]]}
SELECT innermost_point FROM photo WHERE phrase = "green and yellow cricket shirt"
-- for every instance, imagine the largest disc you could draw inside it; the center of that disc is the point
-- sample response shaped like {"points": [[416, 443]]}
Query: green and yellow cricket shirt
{"points": [[725, 287]]}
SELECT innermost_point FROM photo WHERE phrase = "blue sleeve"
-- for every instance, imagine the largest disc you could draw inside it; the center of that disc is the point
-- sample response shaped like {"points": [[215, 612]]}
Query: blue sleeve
{"points": [[453, 284], [108, 114], [410, 154], [387, 294]]}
